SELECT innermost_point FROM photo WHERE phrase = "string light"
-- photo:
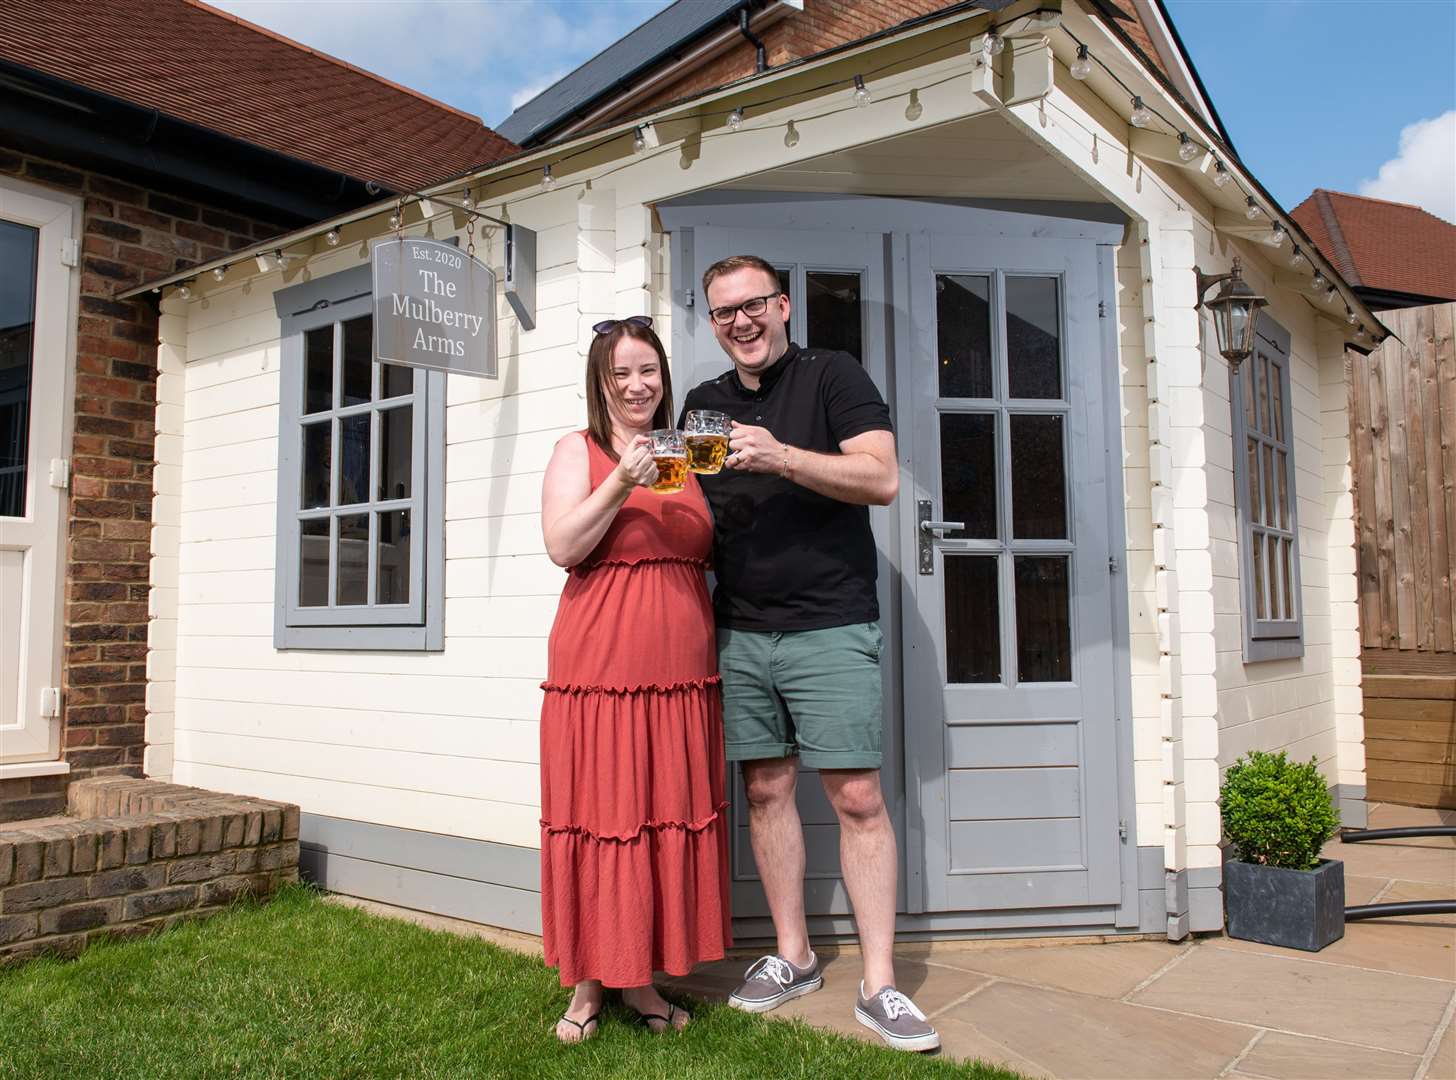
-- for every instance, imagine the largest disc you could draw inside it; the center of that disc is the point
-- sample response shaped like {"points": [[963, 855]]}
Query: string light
{"points": [[1142, 116], [1251, 209], [1350, 316], [184, 291], [735, 119], [1276, 235], [332, 237], [466, 201], [862, 95], [219, 272], [639, 142], [394, 221], [791, 135], [1082, 66], [548, 182], [914, 110], [1187, 148], [1296, 257], [1362, 335], [1318, 282], [1221, 175], [995, 44]]}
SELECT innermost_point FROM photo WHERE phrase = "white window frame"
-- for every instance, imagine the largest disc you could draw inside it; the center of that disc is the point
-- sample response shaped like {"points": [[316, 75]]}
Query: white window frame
{"points": [[1266, 638], [419, 623]]}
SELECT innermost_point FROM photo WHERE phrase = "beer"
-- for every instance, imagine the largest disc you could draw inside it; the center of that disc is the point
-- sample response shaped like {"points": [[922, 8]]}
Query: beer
{"points": [[672, 473], [707, 440], [671, 458], [706, 453]]}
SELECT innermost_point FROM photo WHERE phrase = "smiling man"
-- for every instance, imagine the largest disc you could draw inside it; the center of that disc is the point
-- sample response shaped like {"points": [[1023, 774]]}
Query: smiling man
{"points": [[798, 626]]}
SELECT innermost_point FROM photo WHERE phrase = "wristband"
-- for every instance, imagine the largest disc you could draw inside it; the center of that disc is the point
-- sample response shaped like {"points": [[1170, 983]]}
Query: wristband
{"points": [[784, 469]]}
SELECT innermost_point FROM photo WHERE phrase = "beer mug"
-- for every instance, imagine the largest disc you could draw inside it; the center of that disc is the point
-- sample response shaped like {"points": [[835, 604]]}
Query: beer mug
{"points": [[706, 436], [671, 458]]}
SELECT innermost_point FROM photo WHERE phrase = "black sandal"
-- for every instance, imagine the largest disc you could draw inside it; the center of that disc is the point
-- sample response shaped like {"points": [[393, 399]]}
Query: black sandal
{"points": [[580, 1025], [668, 1025]]}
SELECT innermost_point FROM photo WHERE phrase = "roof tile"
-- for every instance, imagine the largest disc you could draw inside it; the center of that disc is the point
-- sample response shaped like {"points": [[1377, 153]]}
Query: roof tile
{"points": [[1390, 246]]}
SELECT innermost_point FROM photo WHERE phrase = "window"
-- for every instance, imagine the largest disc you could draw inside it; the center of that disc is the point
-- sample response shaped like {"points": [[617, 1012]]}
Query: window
{"points": [[360, 480], [1263, 437]]}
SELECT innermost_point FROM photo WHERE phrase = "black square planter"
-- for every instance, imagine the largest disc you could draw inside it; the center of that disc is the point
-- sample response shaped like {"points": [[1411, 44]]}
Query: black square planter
{"points": [[1298, 909]]}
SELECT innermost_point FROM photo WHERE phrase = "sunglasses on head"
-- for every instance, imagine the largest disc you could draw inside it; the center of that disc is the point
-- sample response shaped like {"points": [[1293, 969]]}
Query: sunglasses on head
{"points": [[606, 326]]}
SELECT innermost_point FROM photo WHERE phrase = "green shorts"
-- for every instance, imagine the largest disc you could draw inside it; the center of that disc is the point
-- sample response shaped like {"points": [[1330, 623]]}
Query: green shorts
{"points": [[811, 693]]}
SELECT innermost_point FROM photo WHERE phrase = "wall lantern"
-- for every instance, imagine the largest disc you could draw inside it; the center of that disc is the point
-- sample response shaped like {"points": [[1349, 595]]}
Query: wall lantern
{"points": [[1234, 311]]}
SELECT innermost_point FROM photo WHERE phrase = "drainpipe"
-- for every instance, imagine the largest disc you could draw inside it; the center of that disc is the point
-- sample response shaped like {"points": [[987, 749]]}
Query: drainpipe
{"points": [[756, 42]]}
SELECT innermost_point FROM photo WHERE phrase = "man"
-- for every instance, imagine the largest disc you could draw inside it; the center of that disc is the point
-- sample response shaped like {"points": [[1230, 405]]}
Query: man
{"points": [[798, 626]]}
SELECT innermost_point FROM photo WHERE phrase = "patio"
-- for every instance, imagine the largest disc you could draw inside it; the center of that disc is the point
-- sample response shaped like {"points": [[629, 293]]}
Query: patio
{"points": [[1378, 1003]]}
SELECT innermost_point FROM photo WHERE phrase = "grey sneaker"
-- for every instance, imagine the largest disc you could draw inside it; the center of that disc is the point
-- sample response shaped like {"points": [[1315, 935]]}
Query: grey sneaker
{"points": [[771, 980], [893, 1017]]}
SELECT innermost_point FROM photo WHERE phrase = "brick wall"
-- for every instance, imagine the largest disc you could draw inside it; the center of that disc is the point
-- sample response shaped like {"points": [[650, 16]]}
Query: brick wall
{"points": [[822, 24], [129, 234]]}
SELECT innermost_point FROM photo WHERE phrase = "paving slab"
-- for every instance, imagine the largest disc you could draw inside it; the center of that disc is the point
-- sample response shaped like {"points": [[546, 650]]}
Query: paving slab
{"points": [[1293, 1057], [1371, 1008], [1443, 1065], [1422, 945], [966, 1041], [1396, 859], [1104, 970], [1077, 1035]]}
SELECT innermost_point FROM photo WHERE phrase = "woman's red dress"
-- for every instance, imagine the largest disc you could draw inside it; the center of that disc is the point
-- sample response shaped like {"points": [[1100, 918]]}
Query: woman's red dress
{"points": [[634, 833]]}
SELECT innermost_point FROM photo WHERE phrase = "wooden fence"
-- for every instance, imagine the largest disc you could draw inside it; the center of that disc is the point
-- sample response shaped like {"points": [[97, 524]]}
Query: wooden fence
{"points": [[1410, 740], [1403, 416]]}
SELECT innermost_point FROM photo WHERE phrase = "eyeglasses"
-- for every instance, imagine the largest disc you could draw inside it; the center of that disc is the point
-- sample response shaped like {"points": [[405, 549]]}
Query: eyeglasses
{"points": [[606, 326], [752, 308]]}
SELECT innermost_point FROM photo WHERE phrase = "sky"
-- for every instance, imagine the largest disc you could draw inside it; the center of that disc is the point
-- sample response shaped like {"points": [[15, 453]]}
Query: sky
{"points": [[1348, 95]]}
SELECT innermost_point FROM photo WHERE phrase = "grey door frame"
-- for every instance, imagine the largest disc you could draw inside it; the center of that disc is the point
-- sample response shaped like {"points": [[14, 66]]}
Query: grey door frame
{"points": [[897, 219]]}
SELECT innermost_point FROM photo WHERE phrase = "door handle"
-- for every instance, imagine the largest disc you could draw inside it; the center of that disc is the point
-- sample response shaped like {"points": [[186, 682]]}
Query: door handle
{"points": [[928, 527]]}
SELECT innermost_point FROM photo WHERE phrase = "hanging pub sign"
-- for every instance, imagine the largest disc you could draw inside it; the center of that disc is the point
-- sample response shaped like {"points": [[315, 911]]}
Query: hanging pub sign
{"points": [[434, 307]]}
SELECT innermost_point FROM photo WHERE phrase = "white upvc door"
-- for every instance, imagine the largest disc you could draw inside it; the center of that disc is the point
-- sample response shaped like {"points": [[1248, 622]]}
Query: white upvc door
{"points": [[37, 317]]}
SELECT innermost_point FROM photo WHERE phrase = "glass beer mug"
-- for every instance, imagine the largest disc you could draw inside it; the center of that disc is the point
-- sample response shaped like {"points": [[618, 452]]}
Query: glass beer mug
{"points": [[671, 457], [706, 437]]}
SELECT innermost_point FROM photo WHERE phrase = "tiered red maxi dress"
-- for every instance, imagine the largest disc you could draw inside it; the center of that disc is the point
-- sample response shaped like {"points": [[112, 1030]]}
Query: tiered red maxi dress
{"points": [[634, 833]]}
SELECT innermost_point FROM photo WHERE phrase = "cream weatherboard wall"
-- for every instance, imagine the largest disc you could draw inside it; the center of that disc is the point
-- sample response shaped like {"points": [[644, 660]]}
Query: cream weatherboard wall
{"points": [[446, 743]]}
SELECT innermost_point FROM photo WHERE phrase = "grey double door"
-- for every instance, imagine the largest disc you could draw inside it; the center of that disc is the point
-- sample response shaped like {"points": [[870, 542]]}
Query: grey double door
{"points": [[1001, 765]]}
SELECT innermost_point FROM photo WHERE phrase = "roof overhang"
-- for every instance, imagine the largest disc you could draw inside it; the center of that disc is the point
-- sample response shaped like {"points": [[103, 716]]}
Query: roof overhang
{"points": [[1114, 51]]}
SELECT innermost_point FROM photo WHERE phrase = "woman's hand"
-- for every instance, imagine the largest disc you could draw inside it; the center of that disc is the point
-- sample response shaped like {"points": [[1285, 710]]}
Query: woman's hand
{"points": [[637, 469]]}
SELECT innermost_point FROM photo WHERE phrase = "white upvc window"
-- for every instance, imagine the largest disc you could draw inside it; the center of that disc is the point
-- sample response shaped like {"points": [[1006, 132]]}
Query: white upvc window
{"points": [[360, 480]]}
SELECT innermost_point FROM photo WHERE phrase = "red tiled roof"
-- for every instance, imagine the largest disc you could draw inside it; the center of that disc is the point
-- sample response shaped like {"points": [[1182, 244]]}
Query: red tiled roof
{"points": [[1393, 247], [212, 69]]}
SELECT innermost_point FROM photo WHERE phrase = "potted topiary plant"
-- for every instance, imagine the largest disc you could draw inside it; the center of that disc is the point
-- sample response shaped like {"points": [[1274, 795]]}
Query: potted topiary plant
{"points": [[1277, 814]]}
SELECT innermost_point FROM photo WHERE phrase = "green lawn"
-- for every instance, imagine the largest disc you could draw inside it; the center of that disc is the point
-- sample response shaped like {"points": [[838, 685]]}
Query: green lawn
{"points": [[303, 988]]}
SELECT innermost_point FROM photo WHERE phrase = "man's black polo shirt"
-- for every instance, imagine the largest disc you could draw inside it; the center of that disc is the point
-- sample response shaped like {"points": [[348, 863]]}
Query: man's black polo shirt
{"points": [[788, 558]]}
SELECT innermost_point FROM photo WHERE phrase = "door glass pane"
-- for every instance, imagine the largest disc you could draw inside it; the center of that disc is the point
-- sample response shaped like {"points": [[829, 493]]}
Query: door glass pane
{"points": [[358, 360], [353, 559], [1038, 478], [786, 281], [834, 318], [313, 562], [317, 463], [18, 245], [968, 474], [395, 446], [972, 619], [1276, 396], [1261, 607], [397, 380], [318, 364], [1256, 499], [393, 558], [963, 334], [1033, 338], [1043, 619], [354, 459]]}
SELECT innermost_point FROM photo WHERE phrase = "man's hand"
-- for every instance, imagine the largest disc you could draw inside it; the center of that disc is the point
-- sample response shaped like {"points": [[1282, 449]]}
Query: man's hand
{"points": [[754, 449]]}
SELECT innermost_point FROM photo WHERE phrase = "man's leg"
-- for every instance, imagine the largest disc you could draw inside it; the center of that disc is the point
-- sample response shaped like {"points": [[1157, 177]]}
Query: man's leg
{"points": [[778, 848], [868, 859]]}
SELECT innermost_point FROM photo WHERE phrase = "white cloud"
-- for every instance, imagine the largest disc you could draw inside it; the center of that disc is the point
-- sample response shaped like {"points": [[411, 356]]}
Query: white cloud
{"points": [[526, 93], [1424, 171]]}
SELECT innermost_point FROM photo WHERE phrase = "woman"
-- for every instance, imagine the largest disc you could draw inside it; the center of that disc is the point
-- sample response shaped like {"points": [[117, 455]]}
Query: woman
{"points": [[634, 837]]}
